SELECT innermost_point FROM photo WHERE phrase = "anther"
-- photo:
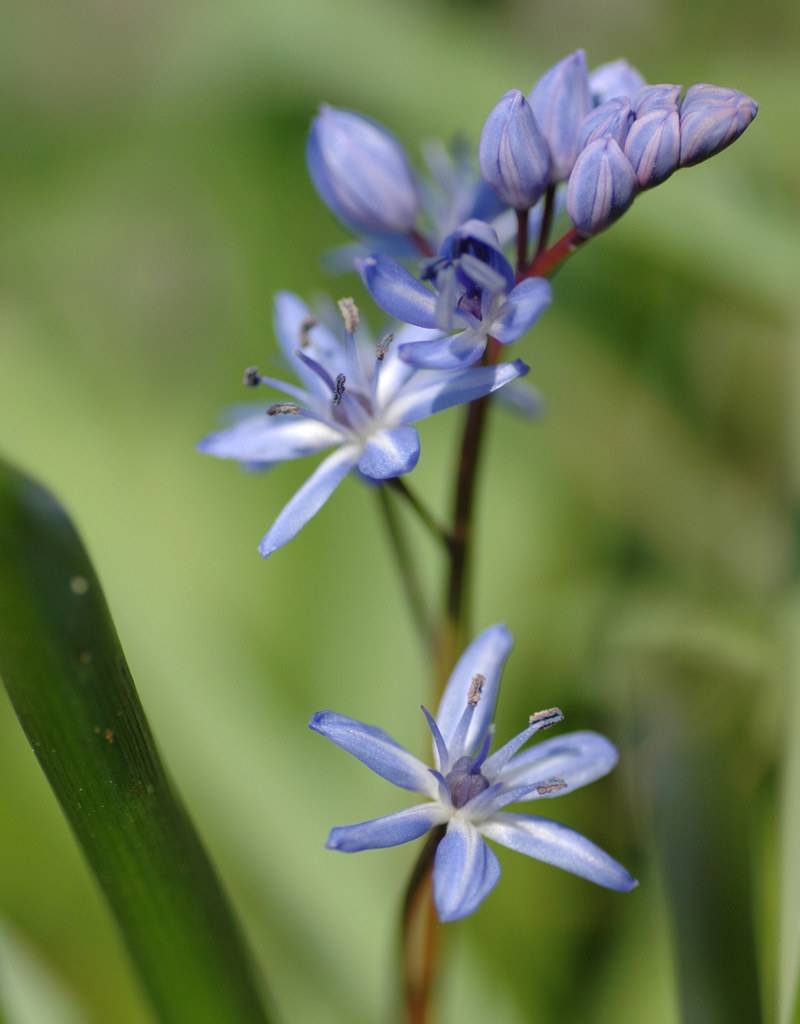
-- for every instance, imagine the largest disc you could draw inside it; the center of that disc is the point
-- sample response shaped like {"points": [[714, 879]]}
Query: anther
{"points": [[252, 378], [554, 785], [283, 409], [307, 324], [383, 347], [350, 314], [475, 689], [544, 719], [339, 388]]}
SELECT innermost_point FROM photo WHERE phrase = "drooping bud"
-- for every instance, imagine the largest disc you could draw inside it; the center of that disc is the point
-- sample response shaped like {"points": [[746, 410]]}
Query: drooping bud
{"points": [[654, 145], [361, 172], [601, 187], [514, 155], [560, 101], [711, 119], [617, 78], [653, 97], [611, 120]]}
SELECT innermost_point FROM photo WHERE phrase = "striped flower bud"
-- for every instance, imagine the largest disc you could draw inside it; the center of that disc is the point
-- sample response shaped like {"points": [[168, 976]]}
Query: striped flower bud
{"points": [[611, 120], [601, 187], [513, 154], [653, 145], [560, 101], [654, 97], [617, 78], [711, 119]]}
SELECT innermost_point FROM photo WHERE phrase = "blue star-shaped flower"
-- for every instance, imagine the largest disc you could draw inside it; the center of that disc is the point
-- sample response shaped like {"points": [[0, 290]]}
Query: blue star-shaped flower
{"points": [[469, 787]]}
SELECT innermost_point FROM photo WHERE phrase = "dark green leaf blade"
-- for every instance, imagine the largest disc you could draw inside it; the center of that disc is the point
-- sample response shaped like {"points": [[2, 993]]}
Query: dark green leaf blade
{"points": [[69, 683]]}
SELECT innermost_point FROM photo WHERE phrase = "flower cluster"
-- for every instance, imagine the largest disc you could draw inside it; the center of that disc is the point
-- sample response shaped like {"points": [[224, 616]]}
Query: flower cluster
{"points": [[470, 786]]}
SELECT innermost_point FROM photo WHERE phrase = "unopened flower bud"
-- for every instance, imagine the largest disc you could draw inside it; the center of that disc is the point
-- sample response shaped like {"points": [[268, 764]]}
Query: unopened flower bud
{"points": [[617, 78], [514, 156], [711, 119], [361, 172], [601, 187], [654, 145], [560, 101], [611, 120], [655, 97]]}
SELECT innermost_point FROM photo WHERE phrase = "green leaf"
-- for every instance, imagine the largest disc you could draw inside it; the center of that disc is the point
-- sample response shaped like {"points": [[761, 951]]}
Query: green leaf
{"points": [[70, 686]]}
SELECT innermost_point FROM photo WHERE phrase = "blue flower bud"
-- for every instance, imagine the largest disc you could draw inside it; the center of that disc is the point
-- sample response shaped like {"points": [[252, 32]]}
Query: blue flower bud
{"points": [[611, 120], [711, 119], [653, 146], [361, 172], [653, 97], [560, 101], [513, 154], [601, 187], [617, 78]]}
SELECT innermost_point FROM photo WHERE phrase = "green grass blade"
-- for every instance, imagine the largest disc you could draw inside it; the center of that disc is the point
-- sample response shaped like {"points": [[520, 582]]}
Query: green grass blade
{"points": [[68, 681]]}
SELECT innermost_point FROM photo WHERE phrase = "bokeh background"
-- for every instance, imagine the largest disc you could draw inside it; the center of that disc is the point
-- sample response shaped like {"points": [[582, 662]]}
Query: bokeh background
{"points": [[640, 540]]}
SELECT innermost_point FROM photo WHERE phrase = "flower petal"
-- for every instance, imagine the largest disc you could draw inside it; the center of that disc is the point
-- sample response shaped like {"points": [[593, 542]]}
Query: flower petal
{"points": [[523, 307], [575, 759], [377, 750], [390, 453], [397, 292], [263, 438], [453, 352], [485, 656], [560, 846], [424, 397], [391, 830], [296, 328], [464, 872], [309, 499]]}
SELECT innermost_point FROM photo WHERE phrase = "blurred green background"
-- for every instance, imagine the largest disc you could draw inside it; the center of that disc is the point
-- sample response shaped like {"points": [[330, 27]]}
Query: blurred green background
{"points": [[640, 540]]}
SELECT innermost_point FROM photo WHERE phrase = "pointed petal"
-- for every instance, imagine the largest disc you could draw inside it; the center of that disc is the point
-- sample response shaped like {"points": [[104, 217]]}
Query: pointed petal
{"points": [[485, 656], [397, 292], [523, 307], [464, 872], [263, 438], [521, 398], [560, 846], [377, 750], [309, 499], [439, 745], [449, 353], [391, 830], [417, 401], [575, 759], [390, 453], [393, 371]]}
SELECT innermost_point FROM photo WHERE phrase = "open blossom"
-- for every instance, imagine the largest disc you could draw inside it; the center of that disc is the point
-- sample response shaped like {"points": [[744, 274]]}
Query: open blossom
{"points": [[359, 399], [469, 788], [475, 298]]}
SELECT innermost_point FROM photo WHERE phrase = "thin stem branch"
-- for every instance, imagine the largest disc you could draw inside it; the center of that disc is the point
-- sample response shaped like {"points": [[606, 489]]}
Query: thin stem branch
{"points": [[522, 240], [426, 516], [421, 242], [551, 259], [408, 572], [547, 223], [420, 934]]}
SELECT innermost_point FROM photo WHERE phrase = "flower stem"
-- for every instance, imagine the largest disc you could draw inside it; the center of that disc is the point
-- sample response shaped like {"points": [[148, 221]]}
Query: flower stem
{"points": [[547, 223], [420, 934], [408, 572], [551, 259], [522, 238], [426, 516]]}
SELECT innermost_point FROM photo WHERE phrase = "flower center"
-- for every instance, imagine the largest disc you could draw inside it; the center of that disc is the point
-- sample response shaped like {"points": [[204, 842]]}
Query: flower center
{"points": [[465, 782]]}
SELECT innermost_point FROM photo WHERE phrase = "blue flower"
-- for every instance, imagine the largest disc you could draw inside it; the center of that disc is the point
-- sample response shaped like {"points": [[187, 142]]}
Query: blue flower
{"points": [[354, 397], [475, 298], [514, 156], [560, 101], [712, 117], [601, 187], [469, 787], [618, 78]]}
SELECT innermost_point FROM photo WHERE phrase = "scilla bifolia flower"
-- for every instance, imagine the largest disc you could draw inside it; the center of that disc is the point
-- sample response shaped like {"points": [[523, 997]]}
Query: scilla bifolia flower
{"points": [[513, 154], [601, 187], [653, 144], [475, 296], [711, 119], [361, 172], [611, 120], [358, 398], [469, 788], [617, 78], [560, 100]]}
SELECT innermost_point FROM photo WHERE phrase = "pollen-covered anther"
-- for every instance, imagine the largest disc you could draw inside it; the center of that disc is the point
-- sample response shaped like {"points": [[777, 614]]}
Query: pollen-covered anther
{"points": [[544, 719], [307, 325], [554, 785], [475, 689], [283, 409], [252, 378], [383, 347], [339, 388], [350, 314]]}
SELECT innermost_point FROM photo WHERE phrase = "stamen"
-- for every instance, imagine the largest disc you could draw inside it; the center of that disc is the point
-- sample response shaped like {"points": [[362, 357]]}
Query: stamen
{"points": [[252, 378], [339, 388], [475, 689], [307, 324], [546, 719], [350, 314], [283, 409], [553, 785], [383, 347]]}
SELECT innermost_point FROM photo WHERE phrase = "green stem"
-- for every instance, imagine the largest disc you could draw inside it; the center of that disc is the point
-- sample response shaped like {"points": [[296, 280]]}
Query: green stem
{"points": [[399, 486]]}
